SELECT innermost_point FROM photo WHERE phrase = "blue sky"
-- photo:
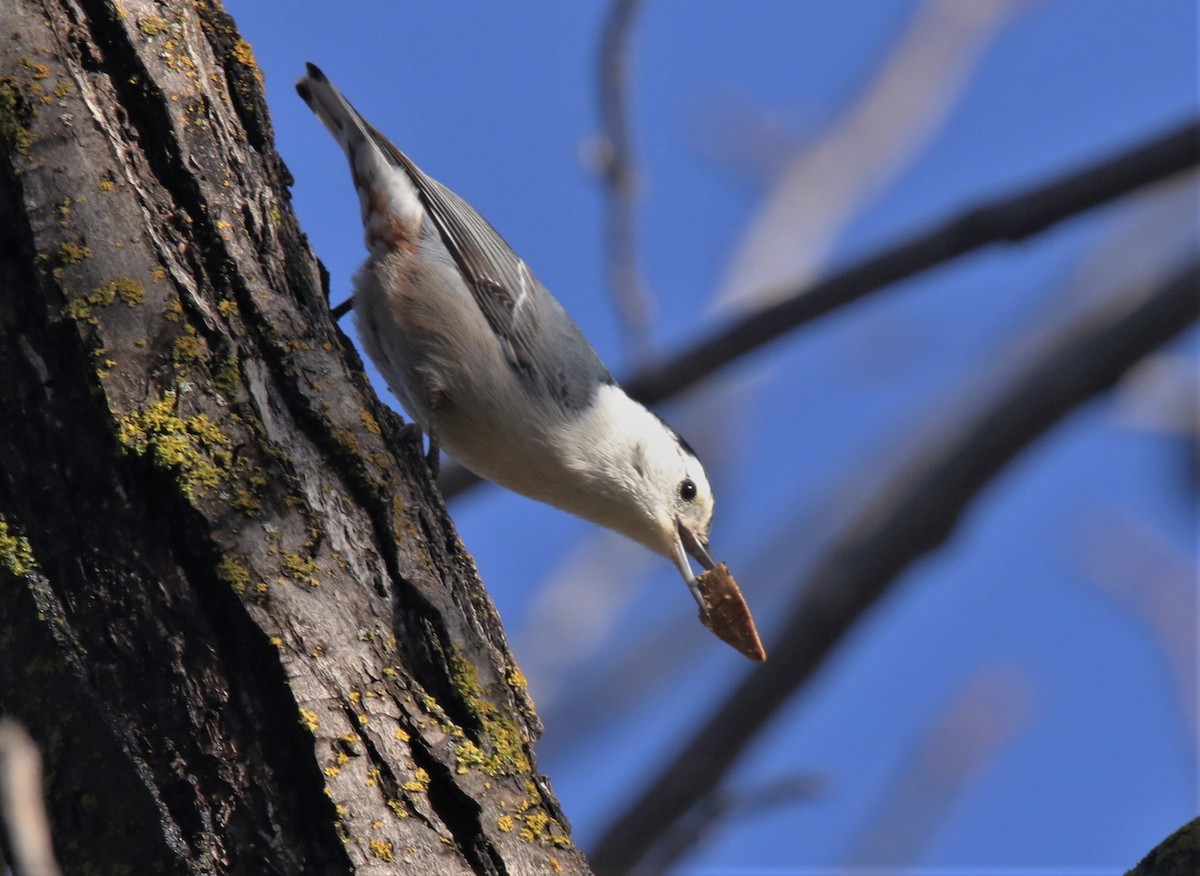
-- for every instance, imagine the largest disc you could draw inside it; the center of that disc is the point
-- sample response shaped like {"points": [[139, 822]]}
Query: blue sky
{"points": [[1096, 756]]}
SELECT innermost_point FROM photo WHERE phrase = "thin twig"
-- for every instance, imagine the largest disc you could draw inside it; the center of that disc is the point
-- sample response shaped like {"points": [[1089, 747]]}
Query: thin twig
{"points": [[1005, 220], [616, 166], [22, 805], [881, 541]]}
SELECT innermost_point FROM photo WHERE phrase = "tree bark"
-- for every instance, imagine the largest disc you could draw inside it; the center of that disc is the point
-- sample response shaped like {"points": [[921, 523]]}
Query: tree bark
{"points": [[1177, 855], [233, 610]]}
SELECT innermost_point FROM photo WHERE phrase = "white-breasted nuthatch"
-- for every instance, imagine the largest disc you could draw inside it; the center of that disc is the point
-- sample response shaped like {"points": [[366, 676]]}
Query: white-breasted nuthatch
{"points": [[488, 362]]}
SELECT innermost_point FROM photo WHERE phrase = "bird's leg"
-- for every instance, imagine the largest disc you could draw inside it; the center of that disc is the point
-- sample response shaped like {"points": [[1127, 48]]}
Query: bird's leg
{"points": [[342, 309], [433, 459], [433, 456]]}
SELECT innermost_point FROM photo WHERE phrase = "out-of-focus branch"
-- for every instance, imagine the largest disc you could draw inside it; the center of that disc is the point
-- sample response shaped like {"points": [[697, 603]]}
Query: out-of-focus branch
{"points": [[615, 164], [1005, 220], [966, 738], [725, 808], [22, 805], [921, 79], [1155, 582], [912, 513]]}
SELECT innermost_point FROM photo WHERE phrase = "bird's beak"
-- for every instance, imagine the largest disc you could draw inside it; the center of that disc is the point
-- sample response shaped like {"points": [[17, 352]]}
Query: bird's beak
{"points": [[689, 543]]}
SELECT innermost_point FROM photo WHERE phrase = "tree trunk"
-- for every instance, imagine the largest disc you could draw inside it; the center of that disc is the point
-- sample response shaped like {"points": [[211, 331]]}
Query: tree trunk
{"points": [[233, 610]]}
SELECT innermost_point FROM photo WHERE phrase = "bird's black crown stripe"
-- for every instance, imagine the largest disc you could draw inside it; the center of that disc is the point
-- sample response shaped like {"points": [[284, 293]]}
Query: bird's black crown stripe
{"points": [[679, 438]]}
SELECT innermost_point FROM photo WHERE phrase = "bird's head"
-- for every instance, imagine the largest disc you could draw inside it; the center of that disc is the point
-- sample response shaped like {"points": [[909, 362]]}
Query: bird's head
{"points": [[675, 496], [636, 475]]}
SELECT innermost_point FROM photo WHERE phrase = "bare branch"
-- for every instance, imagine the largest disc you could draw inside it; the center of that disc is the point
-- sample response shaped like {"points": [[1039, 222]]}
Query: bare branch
{"points": [[878, 543], [1006, 220], [1155, 581], [991, 710], [727, 807], [920, 80], [616, 168], [21, 803]]}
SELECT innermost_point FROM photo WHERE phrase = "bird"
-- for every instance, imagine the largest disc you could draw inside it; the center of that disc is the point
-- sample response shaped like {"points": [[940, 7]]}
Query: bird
{"points": [[492, 368]]}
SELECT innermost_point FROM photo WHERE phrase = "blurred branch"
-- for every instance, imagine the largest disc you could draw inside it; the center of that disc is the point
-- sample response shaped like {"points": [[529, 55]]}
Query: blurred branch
{"points": [[21, 804], [962, 741], [921, 79], [616, 167], [1005, 220], [726, 807], [913, 512], [1155, 581]]}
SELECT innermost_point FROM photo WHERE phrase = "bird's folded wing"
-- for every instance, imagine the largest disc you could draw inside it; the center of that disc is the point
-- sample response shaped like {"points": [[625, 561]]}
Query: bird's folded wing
{"points": [[504, 287]]}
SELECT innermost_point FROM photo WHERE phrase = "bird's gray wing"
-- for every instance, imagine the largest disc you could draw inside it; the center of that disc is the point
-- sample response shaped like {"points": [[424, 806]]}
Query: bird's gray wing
{"points": [[539, 338]]}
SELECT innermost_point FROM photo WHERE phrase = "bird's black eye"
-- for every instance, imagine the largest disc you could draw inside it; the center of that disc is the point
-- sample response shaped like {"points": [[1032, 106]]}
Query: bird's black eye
{"points": [[687, 489]]}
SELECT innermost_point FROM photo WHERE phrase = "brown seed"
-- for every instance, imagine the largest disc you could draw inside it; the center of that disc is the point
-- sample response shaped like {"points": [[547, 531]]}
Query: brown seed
{"points": [[727, 614]]}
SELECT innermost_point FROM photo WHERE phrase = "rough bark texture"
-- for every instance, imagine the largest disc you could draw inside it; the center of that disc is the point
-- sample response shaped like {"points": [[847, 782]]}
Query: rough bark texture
{"points": [[1177, 855], [233, 611]]}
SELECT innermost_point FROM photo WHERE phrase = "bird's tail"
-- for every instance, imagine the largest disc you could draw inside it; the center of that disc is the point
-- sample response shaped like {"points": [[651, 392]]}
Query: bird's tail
{"points": [[391, 207]]}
